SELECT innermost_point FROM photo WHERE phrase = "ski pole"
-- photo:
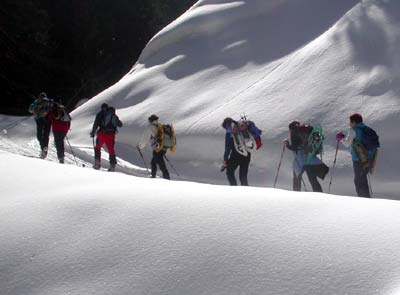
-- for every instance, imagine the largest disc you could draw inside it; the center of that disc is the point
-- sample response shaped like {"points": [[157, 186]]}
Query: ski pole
{"points": [[72, 152], [370, 186], [172, 166], [14, 124], [144, 161], [333, 168], [279, 166]]}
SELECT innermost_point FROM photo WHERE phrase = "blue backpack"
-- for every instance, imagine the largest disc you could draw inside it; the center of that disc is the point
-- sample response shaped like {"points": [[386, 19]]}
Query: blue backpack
{"points": [[370, 139]]}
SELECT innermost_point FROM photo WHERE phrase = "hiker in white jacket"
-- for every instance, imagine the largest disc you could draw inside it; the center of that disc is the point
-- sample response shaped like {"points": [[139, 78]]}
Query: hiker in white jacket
{"points": [[149, 137]]}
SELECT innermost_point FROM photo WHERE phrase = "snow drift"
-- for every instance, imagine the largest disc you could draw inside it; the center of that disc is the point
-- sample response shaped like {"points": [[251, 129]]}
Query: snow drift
{"points": [[70, 230], [313, 60]]}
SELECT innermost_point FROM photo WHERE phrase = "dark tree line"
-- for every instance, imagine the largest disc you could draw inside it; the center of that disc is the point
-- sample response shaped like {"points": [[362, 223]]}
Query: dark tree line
{"points": [[73, 49]]}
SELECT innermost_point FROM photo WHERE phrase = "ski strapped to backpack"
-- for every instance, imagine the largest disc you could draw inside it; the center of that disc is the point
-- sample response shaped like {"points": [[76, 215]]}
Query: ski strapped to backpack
{"points": [[165, 138], [246, 136]]}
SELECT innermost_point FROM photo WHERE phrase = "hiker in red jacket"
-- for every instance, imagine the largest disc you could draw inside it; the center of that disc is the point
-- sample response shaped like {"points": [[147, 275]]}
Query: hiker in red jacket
{"points": [[60, 124]]}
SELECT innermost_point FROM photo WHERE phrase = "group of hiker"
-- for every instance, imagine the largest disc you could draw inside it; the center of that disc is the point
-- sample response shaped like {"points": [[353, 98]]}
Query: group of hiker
{"points": [[49, 114], [306, 142], [242, 138]]}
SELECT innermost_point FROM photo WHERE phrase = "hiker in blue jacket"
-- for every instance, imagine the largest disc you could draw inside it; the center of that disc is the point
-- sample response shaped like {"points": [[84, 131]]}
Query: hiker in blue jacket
{"points": [[362, 155]]}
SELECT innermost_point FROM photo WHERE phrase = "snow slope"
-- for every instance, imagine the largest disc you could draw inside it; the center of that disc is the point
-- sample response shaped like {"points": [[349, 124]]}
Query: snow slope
{"points": [[314, 60], [70, 230]]}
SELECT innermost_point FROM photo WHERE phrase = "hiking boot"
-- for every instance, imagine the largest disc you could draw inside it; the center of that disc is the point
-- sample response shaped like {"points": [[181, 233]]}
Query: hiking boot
{"points": [[112, 168], [43, 153], [61, 160], [97, 164]]}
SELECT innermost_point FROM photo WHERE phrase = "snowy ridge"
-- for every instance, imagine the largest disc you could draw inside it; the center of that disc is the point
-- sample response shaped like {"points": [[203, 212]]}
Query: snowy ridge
{"points": [[88, 232], [314, 60]]}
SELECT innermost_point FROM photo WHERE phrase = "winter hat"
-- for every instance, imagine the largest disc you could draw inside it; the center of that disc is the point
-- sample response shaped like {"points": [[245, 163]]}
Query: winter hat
{"points": [[293, 125], [104, 106], [153, 118], [42, 95], [226, 122]]}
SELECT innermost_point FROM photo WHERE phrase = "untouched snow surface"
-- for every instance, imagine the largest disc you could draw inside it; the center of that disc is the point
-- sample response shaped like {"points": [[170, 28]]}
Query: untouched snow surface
{"points": [[318, 61], [70, 230]]}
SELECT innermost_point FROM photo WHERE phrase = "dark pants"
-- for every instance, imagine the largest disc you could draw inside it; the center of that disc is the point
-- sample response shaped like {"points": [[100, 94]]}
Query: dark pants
{"points": [[361, 180], [236, 160], [43, 127], [312, 173], [59, 143], [158, 159]]}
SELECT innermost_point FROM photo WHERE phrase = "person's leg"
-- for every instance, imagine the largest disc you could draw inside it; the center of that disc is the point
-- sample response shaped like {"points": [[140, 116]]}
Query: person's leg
{"points": [[361, 180], [312, 177], [230, 170], [110, 143], [46, 133], [97, 150], [243, 170], [153, 164], [296, 182], [59, 143], [161, 164], [39, 128]]}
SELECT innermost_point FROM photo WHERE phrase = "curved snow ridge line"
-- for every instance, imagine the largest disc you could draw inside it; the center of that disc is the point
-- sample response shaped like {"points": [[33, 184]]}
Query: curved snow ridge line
{"points": [[232, 98], [206, 19]]}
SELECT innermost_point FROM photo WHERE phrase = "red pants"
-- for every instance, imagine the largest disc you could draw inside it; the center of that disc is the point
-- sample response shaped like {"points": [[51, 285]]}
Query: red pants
{"points": [[108, 139]]}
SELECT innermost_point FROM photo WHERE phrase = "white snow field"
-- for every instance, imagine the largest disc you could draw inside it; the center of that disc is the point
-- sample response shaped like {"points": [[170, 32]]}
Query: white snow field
{"points": [[71, 230]]}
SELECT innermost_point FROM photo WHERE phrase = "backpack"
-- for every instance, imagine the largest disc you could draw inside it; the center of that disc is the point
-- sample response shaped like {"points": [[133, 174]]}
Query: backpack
{"points": [[110, 121], [312, 139], [250, 134], [370, 139], [40, 108], [65, 116], [369, 143], [165, 138]]}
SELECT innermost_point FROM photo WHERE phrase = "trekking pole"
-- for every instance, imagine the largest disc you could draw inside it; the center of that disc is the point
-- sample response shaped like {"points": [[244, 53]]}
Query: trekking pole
{"points": [[370, 186], [279, 166], [14, 124], [144, 162], [172, 166], [72, 152], [333, 168]]}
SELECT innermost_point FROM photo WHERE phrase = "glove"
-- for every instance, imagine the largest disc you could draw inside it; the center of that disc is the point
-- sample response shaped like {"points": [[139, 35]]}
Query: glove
{"points": [[340, 136], [92, 134], [286, 142], [223, 167]]}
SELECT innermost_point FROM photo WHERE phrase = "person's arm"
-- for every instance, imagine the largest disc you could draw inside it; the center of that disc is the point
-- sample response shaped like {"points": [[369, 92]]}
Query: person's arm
{"points": [[95, 125], [118, 121], [348, 140], [228, 146], [32, 107]]}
